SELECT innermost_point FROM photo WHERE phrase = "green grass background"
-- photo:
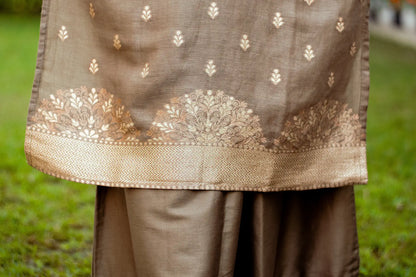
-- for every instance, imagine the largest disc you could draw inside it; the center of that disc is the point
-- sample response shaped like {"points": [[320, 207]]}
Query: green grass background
{"points": [[46, 224]]}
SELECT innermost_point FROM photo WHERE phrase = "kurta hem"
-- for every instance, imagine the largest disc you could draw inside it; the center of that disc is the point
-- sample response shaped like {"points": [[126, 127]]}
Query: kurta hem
{"points": [[200, 167]]}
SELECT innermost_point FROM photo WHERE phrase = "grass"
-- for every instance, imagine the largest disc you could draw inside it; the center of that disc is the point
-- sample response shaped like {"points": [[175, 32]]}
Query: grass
{"points": [[47, 223], [386, 207]]}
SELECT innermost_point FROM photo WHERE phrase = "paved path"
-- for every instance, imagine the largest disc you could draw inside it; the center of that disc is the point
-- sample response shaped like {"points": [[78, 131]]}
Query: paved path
{"points": [[392, 33]]}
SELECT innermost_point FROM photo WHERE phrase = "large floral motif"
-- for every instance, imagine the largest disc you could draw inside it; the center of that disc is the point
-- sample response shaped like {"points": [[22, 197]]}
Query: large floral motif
{"points": [[207, 118], [198, 118], [94, 115], [326, 123]]}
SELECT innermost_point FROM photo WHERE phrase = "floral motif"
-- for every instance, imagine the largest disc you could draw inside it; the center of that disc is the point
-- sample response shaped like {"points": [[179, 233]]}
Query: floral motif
{"points": [[197, 118], [353, 49], [213, 10], [327, 122], [92, 10], [146, 13], [86, 114], [331, 79], [145, 70], [178, 38], [93, 66], [210, 68], [309, 55], [275, 78], [278, 20], [116, 42], [211, 117], [340, 25], [63, 33], [245, 42]]}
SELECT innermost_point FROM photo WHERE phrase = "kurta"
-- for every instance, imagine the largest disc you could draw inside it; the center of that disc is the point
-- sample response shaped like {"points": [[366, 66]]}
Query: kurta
{"points": [[231, 95]]}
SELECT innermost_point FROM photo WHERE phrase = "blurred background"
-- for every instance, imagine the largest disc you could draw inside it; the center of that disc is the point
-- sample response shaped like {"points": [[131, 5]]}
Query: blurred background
{"points": [[46, 224]]}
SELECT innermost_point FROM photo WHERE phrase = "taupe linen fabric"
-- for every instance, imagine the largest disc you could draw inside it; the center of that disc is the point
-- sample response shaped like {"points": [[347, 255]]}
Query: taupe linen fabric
{"points": [[189, 233], [236, 95]]}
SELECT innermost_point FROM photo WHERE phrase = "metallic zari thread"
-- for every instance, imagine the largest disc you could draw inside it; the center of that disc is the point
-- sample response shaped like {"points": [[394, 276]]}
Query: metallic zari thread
{"points": [[309, 55], [92, 10], [145, 70], [210, 68], [63, 33], [146, 13], [245, 42], [178, 38], [93, 66], [200, 117], [197, 167], [278, 20], [203, 129], [213, 10], [275, 78]]}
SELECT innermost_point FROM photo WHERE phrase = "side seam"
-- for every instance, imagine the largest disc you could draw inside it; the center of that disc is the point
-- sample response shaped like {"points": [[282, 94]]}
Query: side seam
{"points": [[43, 30]]}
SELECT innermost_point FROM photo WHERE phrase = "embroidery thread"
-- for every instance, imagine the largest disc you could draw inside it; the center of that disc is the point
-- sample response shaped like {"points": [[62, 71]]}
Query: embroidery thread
{"points": [[275, 78], [326, 123], [353, 49], [145, 70], [331, 79], [213, 10], [197, 118], [210, 68], [278, 20], [146, 13], [116, 42], [89, 115], [178, 38], [93, 66], [340, 25], [207, 117], [245, 43], [92, 11], [309, 55], [309, 2], [63, 33]]}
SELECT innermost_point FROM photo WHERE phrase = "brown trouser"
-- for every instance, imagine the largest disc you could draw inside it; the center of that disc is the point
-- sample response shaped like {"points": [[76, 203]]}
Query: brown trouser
{"points": [[190, 233]]}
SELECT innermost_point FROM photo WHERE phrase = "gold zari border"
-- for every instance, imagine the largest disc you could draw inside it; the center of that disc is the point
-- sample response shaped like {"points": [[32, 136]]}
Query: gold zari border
{"points": [[193, 166]]}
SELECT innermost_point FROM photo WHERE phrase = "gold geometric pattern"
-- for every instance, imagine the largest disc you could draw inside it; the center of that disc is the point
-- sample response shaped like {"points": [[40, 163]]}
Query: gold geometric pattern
{"points": [[326, 123], [87, 115]]}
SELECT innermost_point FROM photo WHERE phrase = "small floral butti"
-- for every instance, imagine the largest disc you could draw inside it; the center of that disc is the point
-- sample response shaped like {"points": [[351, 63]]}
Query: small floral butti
{"points": [[199, 96]]}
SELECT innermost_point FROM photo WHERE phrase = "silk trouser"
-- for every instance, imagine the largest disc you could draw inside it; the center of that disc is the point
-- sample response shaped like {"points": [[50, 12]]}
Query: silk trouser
{"points": [[191, 233]]}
